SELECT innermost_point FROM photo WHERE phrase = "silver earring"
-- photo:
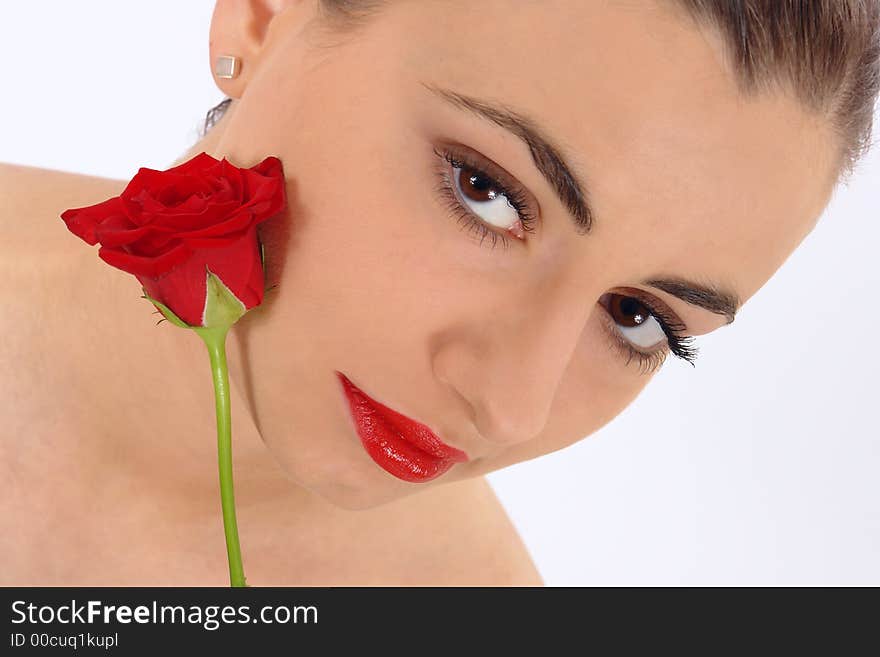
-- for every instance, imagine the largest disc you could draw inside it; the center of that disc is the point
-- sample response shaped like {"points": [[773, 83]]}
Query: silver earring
{"points": [[227, 66]]}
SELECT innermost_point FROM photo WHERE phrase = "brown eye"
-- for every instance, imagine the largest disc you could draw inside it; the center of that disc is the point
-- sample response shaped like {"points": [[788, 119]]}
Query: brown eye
{"points": [[635, 321], [475, 186], [484, 197]]}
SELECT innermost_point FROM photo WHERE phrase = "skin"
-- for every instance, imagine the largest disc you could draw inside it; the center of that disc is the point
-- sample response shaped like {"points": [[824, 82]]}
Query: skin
{"points": [[507, 353]]}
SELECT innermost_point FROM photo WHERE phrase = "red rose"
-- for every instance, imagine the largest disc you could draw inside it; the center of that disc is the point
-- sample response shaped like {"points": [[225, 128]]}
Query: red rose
{"points": [[170, 228]]}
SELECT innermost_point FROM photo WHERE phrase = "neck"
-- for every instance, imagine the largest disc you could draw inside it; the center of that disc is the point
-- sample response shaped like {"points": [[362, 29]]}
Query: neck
{"points": [[167, 406], [165, 399], [210, 141]]}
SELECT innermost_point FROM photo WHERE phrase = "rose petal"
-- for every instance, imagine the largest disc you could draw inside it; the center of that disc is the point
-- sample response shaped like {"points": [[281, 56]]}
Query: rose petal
{"points": [[269, 200], [238, 266], [83, 222], [215, 242], [177, 192], [200, 162], [118, 230], [169, 227], [270, 167], [153, 244], [238, 221], [209, 216], [182, 289], [151, 266]]}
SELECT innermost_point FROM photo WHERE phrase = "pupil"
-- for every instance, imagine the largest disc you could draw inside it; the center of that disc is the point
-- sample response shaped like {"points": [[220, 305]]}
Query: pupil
{"points": [[629, 305], [632, 309], [478, 182], [477, 186]]}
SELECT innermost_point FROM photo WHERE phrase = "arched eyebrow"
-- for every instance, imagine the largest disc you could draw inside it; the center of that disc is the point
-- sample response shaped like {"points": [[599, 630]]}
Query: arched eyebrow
{"points": [[709, 297], [568, 187], [573, 192]]}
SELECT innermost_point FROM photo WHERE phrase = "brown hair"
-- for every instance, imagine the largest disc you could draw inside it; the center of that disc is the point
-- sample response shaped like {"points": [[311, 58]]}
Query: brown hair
{"points": [[826, 52]]}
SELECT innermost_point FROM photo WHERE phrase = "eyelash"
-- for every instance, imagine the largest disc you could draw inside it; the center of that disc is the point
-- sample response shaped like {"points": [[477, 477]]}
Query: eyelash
{"points": [[679, 345], [515, 197]]}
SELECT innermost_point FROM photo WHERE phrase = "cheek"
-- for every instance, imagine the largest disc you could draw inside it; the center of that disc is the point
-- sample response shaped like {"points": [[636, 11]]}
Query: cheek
{"points": [[597, 384], [372, 243], [357, 270], [594, 389]]}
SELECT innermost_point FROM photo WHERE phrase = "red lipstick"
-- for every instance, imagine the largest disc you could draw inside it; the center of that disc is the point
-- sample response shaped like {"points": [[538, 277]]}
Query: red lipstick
{"points": [[407, 449]]}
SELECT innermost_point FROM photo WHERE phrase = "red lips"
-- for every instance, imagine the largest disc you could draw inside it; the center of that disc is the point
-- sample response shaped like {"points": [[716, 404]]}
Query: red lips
{"points": [[401, 446]]}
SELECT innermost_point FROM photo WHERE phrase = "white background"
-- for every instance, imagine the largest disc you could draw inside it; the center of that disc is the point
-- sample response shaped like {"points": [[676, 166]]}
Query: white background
{"points": [[759, 466]]}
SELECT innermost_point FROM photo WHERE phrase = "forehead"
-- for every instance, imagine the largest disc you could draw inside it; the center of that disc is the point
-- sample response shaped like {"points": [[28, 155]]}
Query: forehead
{"points": [[642, 103]]}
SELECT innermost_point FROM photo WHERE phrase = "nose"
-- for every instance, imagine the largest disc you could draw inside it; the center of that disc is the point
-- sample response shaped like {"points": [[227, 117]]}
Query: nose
{"points": [[508, 365]]}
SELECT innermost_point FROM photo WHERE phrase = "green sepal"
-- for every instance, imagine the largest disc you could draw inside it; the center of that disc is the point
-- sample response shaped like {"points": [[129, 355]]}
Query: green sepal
{"points": [[169, 314], [222, 308]]}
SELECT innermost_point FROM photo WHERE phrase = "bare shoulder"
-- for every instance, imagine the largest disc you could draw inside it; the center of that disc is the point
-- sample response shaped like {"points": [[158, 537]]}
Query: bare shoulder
{"points": [[41, 265], [39, 256], [33, 198], [513, 563], [483, 547], [40, 259], [10, 172]]}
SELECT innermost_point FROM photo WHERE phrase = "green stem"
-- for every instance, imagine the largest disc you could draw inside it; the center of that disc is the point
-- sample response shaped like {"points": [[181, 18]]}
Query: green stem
{"points": [[215, 340]]}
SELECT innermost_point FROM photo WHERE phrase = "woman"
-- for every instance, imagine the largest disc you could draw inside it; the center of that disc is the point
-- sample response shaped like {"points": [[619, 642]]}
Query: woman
{"points": [[500, 221]]}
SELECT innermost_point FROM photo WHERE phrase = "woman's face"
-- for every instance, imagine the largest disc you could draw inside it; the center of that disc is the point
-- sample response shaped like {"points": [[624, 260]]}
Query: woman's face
{"points": [[395, 267]]}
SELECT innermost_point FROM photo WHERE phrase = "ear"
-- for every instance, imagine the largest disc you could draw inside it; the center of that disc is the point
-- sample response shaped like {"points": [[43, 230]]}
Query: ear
{"points": [[245, 29]]}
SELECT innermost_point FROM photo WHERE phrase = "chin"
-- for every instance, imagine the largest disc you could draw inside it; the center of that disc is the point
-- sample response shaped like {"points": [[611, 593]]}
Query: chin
{"points": [[352, 499], [350, 486]]}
